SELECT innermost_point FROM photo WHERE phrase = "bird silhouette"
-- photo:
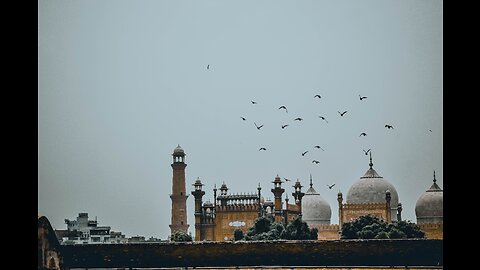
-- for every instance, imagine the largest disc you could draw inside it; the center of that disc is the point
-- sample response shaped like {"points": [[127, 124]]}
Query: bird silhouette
{"points": [[430, 130], [366, 152], [208, 66], [361, 98], [284, 126], [315, 161], [254, 102], [283, 107], [262, 148], [362, 134], [342, 113], [243, 118], [389, 127], [317, 96], [287, 180], [330, 186], [318, 146], [323, 118], [258, 127], [303, 154], [298, 119]]}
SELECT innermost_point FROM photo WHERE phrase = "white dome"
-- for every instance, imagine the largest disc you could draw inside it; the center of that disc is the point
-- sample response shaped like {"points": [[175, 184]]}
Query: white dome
{"points": [[371, 188], [315, 209], [178, 151], [429, 206]]}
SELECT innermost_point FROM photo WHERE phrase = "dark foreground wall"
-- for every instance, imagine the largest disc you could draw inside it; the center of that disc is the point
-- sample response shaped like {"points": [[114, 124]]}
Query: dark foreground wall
{"points": [[284, 253]]}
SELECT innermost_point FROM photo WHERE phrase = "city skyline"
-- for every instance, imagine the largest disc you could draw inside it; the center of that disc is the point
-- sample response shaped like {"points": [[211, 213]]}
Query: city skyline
{"points": [[120, 85]]}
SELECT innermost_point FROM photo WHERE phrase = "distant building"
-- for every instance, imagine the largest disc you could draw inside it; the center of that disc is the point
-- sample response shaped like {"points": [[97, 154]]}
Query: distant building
{"points": [[117, 238], [85, 231], [136, 239]]}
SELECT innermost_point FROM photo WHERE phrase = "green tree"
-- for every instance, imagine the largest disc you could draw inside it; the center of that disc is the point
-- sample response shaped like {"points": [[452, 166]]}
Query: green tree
{"points": [[261, 225], [299, 230], [265, 228], [410, 229], [238, 234], [371, 227], [179, 236]]}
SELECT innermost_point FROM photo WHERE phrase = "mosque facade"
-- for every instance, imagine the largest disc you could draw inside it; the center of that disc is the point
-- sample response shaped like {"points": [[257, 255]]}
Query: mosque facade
{"points": [[371, 194]]}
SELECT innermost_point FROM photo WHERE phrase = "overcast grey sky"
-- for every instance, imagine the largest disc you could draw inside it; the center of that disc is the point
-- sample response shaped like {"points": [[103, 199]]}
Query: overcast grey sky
{"points": [[121, 83]]}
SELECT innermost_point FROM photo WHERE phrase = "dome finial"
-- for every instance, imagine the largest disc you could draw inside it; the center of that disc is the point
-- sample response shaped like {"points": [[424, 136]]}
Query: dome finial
{"points": [[311, 184], [434, 180], [371, 164]]}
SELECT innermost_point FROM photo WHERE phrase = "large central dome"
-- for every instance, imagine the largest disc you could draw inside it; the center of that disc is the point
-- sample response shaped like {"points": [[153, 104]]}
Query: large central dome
{"points": [[371, 188]]}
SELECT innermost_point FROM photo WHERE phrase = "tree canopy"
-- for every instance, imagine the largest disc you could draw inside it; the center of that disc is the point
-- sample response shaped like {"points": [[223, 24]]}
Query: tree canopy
{"points": [[178, 236], [371, 227], [265, 228]]}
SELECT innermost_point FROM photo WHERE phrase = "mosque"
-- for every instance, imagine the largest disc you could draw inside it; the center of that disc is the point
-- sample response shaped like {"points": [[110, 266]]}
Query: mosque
{"points": [[371, 194]]}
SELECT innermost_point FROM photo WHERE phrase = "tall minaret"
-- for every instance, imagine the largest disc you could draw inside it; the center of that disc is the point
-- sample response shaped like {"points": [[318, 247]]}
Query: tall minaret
{"points": [[178, 196], [277, 191]]}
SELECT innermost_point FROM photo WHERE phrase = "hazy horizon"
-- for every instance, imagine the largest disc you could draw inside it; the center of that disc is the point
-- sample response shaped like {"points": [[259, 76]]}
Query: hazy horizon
{"points": [[122, 83]]}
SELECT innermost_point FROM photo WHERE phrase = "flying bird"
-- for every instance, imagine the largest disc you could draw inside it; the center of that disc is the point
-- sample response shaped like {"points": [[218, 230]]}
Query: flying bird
{"points": [[366, 152], [323, 118], [315, 161], [361, 98], [341, 114], [389, 127], [303, 154], [208, 66], [283, 107], [284, 126], [362, 134], [287, 180], [317, 96], [243, 118], [330, 186], [262, 148], [430, 130], [298, 119], [254, 102], [318, 146], [258, 127]]}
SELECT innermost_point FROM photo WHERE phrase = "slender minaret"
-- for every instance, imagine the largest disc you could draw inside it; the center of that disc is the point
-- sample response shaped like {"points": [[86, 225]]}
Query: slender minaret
{"points": [[298, 195], [198, 194], [340, 209], [178, 196], [260, 212], [277, 191]]}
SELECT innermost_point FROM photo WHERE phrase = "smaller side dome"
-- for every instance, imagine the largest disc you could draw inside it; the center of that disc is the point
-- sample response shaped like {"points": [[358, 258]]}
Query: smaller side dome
{"points": [[178, 151], [429, 206], [315, 209]]}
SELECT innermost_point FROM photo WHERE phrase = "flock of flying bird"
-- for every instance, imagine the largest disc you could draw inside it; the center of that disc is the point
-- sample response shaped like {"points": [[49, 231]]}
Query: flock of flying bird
{"points": [[283, 107], [283, 126]]}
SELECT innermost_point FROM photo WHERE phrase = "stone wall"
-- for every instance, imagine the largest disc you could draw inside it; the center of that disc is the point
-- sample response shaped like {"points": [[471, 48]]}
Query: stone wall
{"points": [[226, 215], [432, 230], [354, 211], [277, 253], [327, 231]]}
